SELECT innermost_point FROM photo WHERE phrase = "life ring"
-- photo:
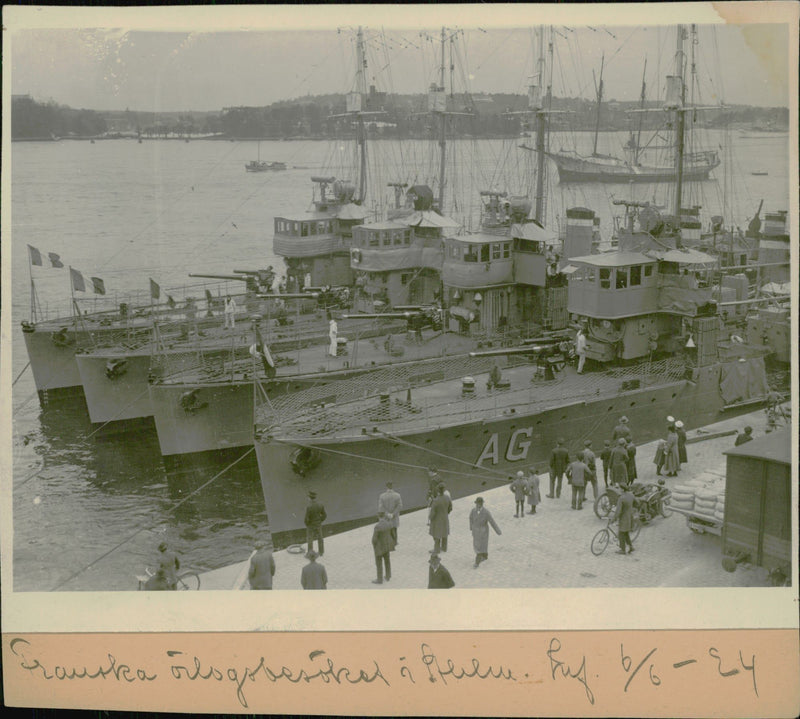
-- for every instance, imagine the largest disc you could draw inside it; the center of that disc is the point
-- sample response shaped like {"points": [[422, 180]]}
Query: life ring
{"points": [[295, 549], [355, 255], [552, 270]]}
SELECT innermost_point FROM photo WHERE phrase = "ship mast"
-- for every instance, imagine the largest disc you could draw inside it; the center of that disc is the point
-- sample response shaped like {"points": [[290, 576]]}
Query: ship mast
{"points": [[599, 103], [680, 120], [361, 88], [641, 117], [537, 105]]}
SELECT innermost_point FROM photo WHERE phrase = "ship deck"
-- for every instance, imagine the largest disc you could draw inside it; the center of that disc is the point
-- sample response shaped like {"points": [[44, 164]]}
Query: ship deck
{"points": [[362, 353], [404, 408]]}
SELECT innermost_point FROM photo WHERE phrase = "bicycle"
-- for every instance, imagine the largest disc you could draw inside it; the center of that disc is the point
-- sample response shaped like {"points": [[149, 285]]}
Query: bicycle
{"points": [[603, 537], [186, 581]]}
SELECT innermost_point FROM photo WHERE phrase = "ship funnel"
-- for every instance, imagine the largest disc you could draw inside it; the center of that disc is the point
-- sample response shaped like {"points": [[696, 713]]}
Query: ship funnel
{"points": [[579, 232]]}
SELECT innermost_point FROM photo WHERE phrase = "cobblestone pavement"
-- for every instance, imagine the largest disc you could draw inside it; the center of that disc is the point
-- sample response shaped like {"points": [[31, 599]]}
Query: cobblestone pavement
{"points": [[548, 549]]}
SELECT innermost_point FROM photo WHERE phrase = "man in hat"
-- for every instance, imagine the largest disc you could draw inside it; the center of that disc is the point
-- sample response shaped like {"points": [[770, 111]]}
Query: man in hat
{"points": [[382, 544], [434, 480], [480, 519], [743, 437], [262, 567], [390, 503], [438, 576], [577, 474], [618, 463], [559, 459], [439, 520], [169, 563], [534, 497], [681, 432], [590, 461], [520, 488], [605, 459], [313, 575], [623, 512], [315, 516], [621, 430]]}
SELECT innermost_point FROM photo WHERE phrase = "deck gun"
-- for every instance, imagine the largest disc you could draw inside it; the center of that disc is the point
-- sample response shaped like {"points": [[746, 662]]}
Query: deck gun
{"points": [[418, 316], [550, 353], [255, 280]]}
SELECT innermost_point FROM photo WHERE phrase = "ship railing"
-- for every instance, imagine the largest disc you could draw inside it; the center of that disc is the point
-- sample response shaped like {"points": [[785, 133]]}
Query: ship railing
{"points": [[404, 409]]}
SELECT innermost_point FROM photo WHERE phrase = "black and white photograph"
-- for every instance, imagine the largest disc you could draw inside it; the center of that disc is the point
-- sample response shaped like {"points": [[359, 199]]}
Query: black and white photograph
{"points": [[398, 301]]}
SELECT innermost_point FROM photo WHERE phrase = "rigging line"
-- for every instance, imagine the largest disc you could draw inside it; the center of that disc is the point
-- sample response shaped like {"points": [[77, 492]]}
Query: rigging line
{"points": [[151, 526], [405, 465], [21, 373], [395, 438]]}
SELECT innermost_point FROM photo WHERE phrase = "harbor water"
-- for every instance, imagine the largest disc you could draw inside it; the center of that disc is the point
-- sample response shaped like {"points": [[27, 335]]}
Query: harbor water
{"points": [[90, 509]]}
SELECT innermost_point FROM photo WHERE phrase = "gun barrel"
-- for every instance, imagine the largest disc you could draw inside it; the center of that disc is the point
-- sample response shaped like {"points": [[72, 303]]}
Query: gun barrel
{"points": [[289, 296], [532, 349], [379, 315], [241, 278]]}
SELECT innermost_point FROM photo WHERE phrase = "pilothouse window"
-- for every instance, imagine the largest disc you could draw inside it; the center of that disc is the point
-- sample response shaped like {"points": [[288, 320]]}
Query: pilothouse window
{"points": [[622, 278], [484, 253], [605, 278], [636, 275]]}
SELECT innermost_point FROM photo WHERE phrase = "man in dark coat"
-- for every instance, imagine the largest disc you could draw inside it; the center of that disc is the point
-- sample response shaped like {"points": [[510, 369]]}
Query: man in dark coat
{"points": [[313, 575], [577, 474], [605, 459], [743, 437], [383, 545], [438, 576], [559, 459], [632, 473], [590, 461], [480, 519], [262, 568], [618, 463], [315, 516], [439, 520], [390, 503], [623, 512]]}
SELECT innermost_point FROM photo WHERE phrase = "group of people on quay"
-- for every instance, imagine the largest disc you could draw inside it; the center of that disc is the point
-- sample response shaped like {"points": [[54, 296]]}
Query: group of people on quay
{"points": [[617, 464]]}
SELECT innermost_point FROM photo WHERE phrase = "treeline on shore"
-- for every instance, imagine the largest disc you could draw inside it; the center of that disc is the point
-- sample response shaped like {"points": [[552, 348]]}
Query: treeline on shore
{"points": [[496, 115]]}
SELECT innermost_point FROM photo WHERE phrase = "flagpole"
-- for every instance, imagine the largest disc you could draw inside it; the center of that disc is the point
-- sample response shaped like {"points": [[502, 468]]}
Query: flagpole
{"points": [[33, 289]]}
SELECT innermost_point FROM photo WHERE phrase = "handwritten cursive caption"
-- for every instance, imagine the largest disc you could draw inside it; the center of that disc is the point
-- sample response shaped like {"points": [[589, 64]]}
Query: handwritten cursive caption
{"points": [[560, 662]]}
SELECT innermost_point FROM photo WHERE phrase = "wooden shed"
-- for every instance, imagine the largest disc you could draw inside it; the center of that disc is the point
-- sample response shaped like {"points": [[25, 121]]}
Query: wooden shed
{"points": [[758, 501]]}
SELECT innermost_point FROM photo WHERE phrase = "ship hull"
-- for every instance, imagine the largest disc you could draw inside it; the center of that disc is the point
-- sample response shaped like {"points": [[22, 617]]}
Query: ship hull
{"points": [[577, 170], [349, 475]]}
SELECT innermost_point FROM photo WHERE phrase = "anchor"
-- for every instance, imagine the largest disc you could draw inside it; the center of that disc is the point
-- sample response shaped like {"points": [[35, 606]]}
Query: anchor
{"points": [[115, 368]]}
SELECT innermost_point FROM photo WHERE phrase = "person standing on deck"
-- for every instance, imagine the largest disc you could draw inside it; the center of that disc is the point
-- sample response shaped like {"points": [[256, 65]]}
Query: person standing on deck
{"points": [[580, 349], [559, 459], [605, 459], [313, 575], [439, 520], [480, 519], [383, 545], [390, 503], [590, 461], [315, 516], [438, 576], [230, 312], [681, 432], [618, 463], [621, 430], [333, 333], [520, 488], [534, 497], [262, 568]]}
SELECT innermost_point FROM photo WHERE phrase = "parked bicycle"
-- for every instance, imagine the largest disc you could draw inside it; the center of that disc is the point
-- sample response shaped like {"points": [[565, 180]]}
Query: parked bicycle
{"points": [[649, 500], [601, 540], [186, 581]]}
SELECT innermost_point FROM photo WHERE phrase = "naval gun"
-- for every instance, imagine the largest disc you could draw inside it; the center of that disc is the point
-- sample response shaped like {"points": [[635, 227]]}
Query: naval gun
{"points": [[418, 316], [550, 354], [255, 280]]}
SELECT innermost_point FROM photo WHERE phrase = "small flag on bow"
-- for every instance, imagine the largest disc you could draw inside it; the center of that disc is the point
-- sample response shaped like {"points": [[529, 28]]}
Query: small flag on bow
{"points": [[98, 285], [155, 290], [55, 260]]}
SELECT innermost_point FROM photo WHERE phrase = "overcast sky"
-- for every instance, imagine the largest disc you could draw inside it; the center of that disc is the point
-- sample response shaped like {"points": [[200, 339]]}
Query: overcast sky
{"points": [[176, 61]]}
